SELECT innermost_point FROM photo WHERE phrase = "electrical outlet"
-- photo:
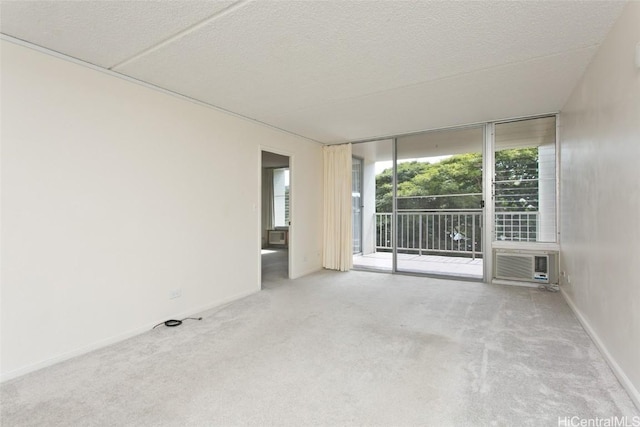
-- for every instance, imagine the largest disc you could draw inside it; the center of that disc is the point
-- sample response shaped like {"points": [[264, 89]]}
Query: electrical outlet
{"points": [[175, 293]]}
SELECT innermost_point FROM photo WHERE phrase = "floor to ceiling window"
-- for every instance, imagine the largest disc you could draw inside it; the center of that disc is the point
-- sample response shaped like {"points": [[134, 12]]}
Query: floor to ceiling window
{"points": [[422, 197]]}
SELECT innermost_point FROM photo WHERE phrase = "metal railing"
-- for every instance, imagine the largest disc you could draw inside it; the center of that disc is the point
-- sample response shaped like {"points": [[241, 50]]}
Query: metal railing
{"points": [[450, 232], [432, 232]]}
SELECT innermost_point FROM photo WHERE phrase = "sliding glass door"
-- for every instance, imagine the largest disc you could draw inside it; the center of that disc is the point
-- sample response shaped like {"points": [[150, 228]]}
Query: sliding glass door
{"points": [[439, 203]]}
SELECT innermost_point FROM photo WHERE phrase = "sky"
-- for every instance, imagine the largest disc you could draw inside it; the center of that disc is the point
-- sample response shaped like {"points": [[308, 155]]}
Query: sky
{"points": [[380, 166]]}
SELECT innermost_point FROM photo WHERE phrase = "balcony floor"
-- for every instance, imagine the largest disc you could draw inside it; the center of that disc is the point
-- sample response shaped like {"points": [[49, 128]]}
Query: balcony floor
{"points": [[425, 264]]}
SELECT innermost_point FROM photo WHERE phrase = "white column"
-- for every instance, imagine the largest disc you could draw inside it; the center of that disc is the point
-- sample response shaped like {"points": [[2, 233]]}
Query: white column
{"points": [[369, 209], [547, 193], [367, 152]]}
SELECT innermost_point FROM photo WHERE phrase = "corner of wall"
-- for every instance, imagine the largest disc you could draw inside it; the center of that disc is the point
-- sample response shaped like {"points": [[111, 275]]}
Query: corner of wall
{"points": [[599, 149], [628, 385]]}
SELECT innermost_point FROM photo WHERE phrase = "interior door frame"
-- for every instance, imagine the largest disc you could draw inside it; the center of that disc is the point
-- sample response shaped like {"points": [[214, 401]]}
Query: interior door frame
{"points": [[292, 192]]}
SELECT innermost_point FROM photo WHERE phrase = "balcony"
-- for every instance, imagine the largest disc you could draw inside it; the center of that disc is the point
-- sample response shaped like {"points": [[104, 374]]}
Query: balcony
{"points": [[447, 242], [432, 232]]}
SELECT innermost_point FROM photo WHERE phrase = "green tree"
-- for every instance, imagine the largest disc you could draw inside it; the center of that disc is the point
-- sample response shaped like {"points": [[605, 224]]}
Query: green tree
{"points": [[384, 182], [516, 182], [423, 185]]}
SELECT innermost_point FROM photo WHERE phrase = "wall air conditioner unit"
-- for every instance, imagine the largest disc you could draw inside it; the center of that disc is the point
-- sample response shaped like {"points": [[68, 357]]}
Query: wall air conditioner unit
{"points": [[526, 266], [277, 237]]}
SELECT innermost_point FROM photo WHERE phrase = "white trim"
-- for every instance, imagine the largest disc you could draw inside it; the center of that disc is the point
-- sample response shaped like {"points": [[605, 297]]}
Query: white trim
{"points": [[633, 392], [453, 127], [306, 272], [115, 339], [502, 282], [292, 210], [488, 174], [142, 83], [558, 173], [532, 246], [394, 207]]}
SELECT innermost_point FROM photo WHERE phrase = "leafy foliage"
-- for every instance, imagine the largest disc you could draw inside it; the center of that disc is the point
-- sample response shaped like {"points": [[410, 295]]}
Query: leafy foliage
{"points": [[423, 185], [517, 180]]}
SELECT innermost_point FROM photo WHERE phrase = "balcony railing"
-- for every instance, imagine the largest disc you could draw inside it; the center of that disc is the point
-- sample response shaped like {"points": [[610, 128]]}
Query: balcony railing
{"points": [[450, 232]]}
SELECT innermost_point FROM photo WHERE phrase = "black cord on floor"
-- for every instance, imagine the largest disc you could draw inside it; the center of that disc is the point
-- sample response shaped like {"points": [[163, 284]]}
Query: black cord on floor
{"points": [[173, 322]]}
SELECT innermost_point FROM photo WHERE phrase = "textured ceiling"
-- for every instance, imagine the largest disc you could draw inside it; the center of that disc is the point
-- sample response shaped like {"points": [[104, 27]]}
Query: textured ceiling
{"points": [[335, 71]]}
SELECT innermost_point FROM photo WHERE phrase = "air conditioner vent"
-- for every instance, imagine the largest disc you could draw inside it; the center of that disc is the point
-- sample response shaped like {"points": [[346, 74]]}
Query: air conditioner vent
{"points": [[514, 266], [527, 266], [277, 237]]}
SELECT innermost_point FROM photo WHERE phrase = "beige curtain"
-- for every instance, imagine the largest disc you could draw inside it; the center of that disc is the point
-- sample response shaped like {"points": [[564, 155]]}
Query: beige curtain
{"points": [[338, 239]]}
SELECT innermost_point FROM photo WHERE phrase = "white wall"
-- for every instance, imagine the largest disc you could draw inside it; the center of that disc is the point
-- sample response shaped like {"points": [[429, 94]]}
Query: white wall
{"points": [[113, 194], [600, 198]]}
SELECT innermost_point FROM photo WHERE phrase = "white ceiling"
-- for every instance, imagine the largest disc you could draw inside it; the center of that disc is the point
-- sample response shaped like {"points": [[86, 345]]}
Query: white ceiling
{"points": [[335, 71]]}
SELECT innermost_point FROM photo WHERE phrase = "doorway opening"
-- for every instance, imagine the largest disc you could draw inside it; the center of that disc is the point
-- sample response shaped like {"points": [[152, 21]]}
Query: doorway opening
{"points": [[275, 214]]}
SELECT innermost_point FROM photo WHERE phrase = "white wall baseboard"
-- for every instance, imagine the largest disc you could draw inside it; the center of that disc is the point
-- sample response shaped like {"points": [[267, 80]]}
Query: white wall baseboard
{"points": [[514, 283], [306, 272], [6, 376], [633, 392]]}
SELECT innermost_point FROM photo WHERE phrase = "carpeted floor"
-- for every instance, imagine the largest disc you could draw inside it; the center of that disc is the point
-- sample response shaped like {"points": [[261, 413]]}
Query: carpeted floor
{"points": [[275, 266], [333, 348]]}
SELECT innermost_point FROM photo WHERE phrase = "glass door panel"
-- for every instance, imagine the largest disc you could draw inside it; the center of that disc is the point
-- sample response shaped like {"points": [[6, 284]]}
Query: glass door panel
{"points": [[439, 211], [375, 207]]}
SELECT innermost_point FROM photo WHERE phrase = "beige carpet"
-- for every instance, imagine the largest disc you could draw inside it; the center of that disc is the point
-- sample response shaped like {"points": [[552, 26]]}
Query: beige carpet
{"points": [[331, 349]]}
